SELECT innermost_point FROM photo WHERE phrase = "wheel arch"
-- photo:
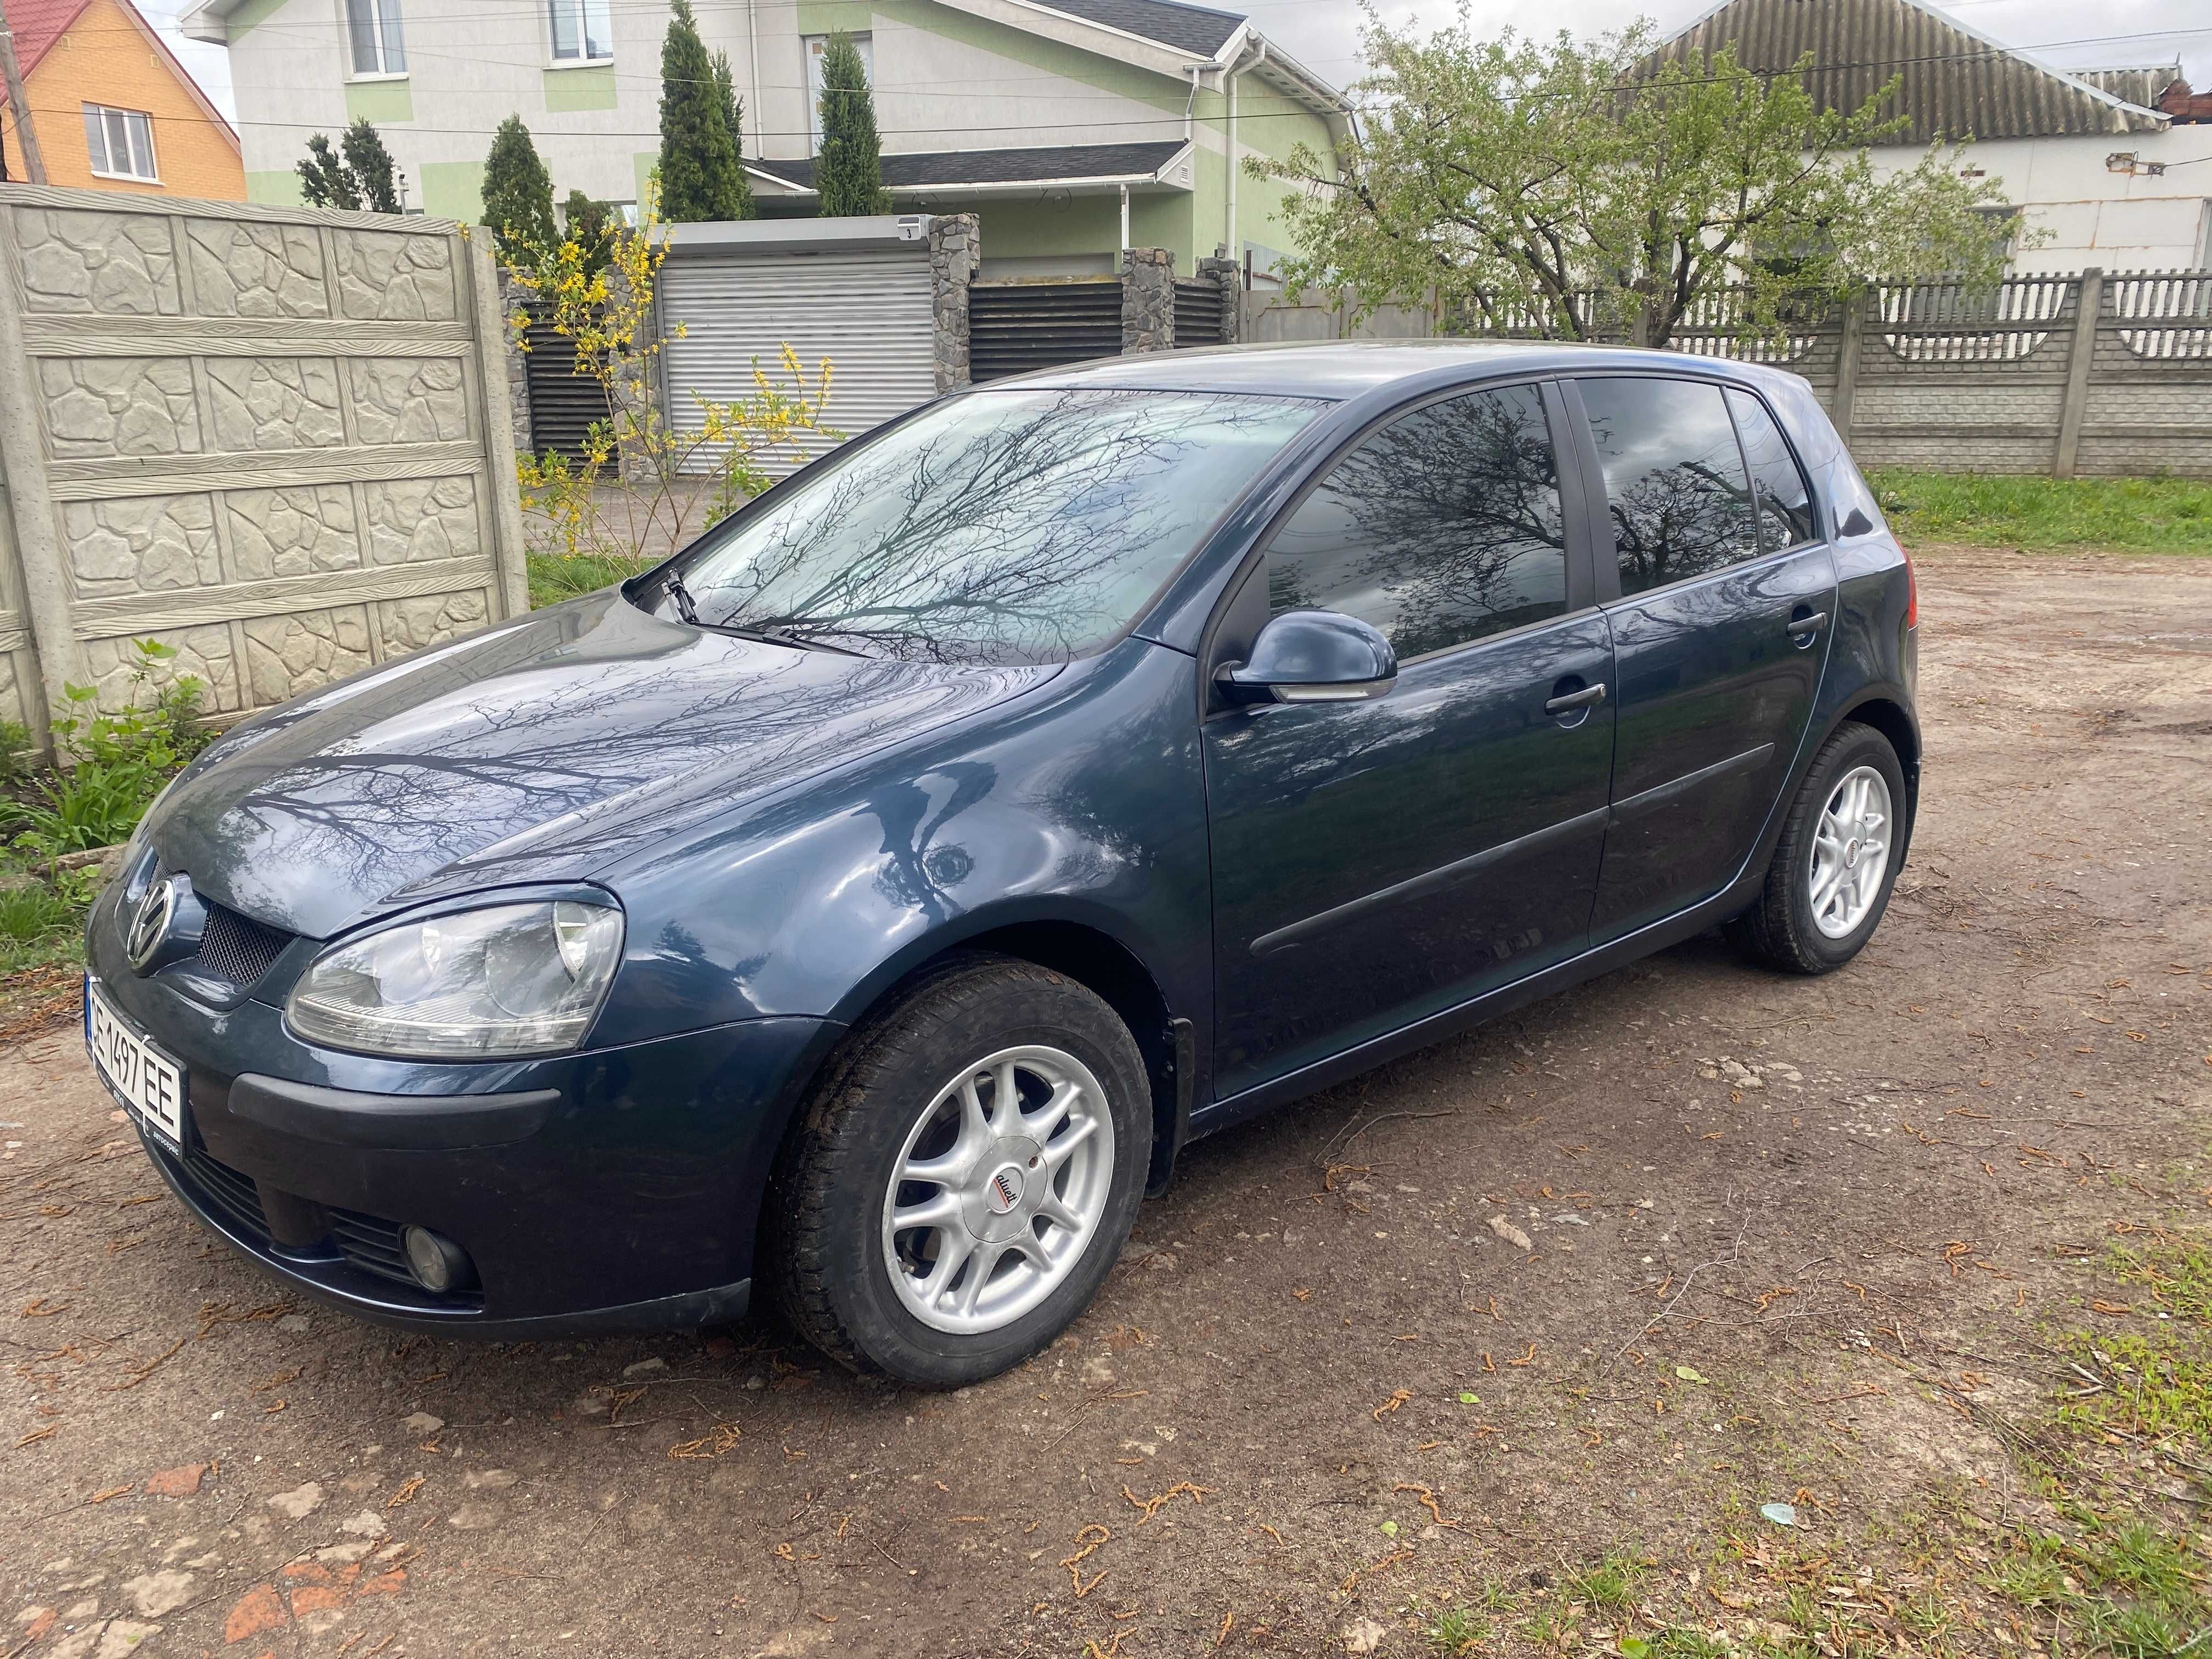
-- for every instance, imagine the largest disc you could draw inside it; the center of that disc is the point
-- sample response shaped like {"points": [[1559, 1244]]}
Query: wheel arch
{"points": [[1891, 716]]}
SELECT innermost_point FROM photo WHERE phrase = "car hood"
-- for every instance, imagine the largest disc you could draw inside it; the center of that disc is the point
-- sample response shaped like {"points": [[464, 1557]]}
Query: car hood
{"points": [[540, 751]]}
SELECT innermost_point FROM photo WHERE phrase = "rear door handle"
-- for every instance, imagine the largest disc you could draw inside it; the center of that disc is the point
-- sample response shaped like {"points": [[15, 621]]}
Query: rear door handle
{"points": [[1589, 697], [1803, 625]]}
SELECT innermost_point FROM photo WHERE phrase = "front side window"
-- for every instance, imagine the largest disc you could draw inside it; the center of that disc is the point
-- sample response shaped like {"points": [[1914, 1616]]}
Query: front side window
{"points": [[121, 143], [1785, 498], [997, 527], [582, 32], [372, 27], [1674, 480], [1441, 528]]}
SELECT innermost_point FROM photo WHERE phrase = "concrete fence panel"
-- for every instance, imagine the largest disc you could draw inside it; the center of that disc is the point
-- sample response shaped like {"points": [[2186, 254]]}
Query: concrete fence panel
{"points": [[2090, 373], [278, 440]]}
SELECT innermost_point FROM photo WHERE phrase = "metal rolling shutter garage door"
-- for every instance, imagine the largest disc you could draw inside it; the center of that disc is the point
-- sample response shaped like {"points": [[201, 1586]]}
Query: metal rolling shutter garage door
{"points": [[869, 312]]}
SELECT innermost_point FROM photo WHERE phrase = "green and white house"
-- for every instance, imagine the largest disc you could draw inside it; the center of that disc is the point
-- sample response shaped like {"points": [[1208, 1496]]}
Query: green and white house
{"points": [[1074, 129]]}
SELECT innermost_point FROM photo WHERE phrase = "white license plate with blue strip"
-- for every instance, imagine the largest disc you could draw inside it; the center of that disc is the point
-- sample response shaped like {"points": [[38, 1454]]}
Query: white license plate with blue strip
{"points": [[150, 1083]]}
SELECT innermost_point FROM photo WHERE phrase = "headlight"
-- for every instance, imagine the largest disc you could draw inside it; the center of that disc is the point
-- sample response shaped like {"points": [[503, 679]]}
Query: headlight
{"points": [[516, 979]]}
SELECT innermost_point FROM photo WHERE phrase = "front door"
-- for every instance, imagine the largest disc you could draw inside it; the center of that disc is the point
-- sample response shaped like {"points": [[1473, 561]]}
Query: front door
{"points": [[1719, 632], [1376, 862]]}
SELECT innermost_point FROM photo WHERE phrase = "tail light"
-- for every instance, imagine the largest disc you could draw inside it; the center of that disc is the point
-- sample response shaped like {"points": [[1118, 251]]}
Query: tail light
{"points": [[1911, 594]]}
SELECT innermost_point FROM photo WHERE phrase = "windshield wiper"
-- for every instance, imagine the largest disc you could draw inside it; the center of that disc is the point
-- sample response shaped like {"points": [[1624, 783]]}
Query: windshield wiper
{"points": [[688, 608], [673, 584]]}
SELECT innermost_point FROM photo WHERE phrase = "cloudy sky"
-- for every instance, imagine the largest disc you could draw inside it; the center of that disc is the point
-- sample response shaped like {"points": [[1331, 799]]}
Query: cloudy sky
{"points": [[1325, 33]]}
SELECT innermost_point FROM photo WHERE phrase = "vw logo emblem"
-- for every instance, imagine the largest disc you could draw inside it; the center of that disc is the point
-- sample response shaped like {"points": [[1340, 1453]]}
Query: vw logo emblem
{"points": [[150, 924], [1004, 1191]]}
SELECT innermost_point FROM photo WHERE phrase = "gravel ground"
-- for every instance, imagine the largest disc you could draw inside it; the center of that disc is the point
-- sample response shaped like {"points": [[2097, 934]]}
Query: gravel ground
{"points": [[1613, 1272]]}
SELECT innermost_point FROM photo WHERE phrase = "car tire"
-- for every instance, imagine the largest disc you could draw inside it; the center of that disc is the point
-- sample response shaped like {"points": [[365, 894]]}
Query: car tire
{"points": [[1819, 904], [917, 1090]]}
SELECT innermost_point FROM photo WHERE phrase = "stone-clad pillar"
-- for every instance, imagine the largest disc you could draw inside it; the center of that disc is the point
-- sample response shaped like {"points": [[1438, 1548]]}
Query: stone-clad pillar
{"points": [[518, 374], [1230, 276], [956, 247], [1147, 300]]}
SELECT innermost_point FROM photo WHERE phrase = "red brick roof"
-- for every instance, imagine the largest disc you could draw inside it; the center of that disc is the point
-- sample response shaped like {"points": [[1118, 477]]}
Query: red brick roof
{"points": [[2184, 106]]}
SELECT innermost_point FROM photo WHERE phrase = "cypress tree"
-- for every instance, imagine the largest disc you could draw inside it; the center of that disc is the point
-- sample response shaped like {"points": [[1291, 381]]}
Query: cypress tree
{"points": [[699, 175], [733, 117], [518, 196], [374, 177], [849, 173], [324, 180]]}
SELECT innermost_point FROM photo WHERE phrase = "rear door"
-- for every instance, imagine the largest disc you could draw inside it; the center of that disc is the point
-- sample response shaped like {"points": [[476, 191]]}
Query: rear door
{"points": [[1376, 862], [1720, 599]]}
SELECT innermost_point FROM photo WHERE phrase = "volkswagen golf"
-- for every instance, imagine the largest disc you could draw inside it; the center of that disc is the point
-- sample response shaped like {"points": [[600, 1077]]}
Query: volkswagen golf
{"points": [[871, 901]]}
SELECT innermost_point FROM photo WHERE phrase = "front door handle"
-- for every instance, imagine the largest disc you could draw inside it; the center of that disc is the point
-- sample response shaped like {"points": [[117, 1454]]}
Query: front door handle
{"points": [[1812, 622], [1589, 697]]}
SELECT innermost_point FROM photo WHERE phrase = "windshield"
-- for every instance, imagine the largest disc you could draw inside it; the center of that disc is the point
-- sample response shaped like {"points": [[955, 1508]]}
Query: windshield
{"points": [[998, 527]]}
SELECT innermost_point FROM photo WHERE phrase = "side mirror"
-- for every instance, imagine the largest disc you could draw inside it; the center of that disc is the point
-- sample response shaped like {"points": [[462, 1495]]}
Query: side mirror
{"points": [[1312, 656]]}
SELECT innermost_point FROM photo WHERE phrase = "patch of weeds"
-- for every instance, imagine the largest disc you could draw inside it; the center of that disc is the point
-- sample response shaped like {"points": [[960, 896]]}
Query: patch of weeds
{"points": [[1455, 1630], [1928, 1616], [2033, 1574], [1494, 1598], [2158, 1381], [2141, 515], [1548, 1627], [557, 576], [1612, 1584], [1679, 1642], [1802, 1609]]}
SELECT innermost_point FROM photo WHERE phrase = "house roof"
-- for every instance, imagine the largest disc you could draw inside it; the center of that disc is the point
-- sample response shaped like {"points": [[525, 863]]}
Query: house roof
{"points": [[2138, 83], [1024, 164], [1958, 83], [38, 24], [1193, 28]]}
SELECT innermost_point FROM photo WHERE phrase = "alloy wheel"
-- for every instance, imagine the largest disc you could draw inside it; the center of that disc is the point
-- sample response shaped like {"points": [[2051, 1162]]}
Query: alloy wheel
{"points": [[1850, 851], [999, 1186]]}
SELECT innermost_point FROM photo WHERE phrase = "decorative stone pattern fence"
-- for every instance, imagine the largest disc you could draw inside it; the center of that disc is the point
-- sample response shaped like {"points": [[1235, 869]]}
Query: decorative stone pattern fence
{"points": [[275, 438], [2059, 375]]}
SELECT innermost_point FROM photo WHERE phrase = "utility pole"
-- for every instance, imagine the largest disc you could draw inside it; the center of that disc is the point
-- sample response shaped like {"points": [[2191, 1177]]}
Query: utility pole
{"points": [[33, 163]]}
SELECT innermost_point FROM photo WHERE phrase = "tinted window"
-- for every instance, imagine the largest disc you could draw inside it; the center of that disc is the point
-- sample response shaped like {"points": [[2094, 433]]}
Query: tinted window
{"points": [[1674, 478], [1001, 527], [1785, 504], [1441, 528]]}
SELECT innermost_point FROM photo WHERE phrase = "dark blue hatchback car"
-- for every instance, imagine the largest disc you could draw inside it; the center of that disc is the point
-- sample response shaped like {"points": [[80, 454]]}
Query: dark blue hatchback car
{"points": [[874, 899]]}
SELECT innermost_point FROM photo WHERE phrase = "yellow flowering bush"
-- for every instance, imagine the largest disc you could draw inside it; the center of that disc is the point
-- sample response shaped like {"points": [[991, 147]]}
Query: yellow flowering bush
{"points": [[645, 483]]}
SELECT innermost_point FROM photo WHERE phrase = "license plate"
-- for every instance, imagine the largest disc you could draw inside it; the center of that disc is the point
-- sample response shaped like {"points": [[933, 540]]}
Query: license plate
{"points": [[146, 1080]]}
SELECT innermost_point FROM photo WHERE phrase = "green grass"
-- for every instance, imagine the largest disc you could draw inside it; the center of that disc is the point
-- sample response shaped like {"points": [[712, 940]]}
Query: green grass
{"points": [[555, 577], [1612, 1585], [1455, 1630], [2040, 515]]}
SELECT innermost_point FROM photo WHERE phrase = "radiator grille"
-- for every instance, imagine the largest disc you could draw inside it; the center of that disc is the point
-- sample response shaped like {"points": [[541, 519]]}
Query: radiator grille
{"points": [[238, 948]]}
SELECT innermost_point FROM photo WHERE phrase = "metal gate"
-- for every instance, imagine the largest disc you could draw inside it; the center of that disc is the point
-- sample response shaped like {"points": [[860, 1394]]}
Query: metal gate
{"points": [[1199, 313], [867, 311], [1015, 327], [563, 404]]}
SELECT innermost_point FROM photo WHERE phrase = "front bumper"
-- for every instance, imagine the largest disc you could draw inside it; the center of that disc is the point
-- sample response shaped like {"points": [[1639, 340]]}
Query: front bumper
{"points": [[613, 1189]]}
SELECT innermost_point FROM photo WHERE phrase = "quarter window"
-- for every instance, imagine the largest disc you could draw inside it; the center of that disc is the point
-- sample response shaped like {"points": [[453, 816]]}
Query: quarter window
{"points": [[121, 143], [1785, 502], [1674, 478], [1443, 527], [582, 32], [372, 27]]}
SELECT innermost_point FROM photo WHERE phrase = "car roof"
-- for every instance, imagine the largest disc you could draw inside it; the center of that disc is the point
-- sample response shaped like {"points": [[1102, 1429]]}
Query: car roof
{"points": [[1349, 368]]}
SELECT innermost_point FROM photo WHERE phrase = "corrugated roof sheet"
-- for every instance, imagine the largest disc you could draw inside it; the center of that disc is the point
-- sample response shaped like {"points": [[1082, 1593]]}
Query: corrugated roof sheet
{"points": [[1957, 83], [1189, 28], [2140, 84], [1025, 164]]}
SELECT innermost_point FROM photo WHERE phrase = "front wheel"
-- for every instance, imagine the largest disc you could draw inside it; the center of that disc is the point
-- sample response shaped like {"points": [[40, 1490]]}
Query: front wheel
{"points": [[965, 1173], [1838, 859]]}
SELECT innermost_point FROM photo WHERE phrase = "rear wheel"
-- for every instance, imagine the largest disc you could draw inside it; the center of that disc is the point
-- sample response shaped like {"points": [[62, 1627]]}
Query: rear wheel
{"points": [[1837, 861], [965, 1175]]}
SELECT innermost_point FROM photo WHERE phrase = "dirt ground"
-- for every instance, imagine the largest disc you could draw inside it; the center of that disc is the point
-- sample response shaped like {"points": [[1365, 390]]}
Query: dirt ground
{"points": [[1806, 1242]]}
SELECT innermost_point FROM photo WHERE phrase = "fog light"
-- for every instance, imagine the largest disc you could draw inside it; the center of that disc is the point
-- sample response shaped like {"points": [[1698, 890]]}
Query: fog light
{"points": [[438, 1264]]}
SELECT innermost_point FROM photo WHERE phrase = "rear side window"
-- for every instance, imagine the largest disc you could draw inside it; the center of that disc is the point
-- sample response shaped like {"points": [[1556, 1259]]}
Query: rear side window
{"points": [[1675, 479], [1441, 527], [1785, 501]]}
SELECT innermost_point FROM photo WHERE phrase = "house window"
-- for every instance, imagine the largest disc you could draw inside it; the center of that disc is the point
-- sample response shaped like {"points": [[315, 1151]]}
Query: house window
{"points": [[582, 31], [816, 45], [121, 142], [373, 28]]}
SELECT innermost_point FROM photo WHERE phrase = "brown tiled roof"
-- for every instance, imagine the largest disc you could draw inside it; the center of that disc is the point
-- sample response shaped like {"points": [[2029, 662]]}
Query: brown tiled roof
{"points": [[1957, 83]]}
